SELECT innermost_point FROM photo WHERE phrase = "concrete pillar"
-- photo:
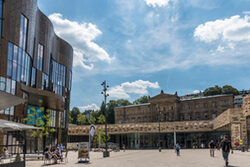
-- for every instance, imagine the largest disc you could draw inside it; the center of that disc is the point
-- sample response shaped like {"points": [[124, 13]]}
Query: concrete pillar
{"points": [[235, 133], [174, 138]]}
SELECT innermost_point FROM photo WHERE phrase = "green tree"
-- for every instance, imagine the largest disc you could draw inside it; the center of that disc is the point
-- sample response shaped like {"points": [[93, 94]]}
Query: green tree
{"points": [[92, 120], [141, 100], [81, 119], [216, 90], [101, 119], [99, 137], [73, 115], [121, 102], [43, 122], [228, 89]]}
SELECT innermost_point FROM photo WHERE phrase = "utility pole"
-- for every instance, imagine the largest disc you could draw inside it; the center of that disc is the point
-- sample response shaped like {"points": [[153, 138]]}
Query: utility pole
{"points": [[104, 92]]}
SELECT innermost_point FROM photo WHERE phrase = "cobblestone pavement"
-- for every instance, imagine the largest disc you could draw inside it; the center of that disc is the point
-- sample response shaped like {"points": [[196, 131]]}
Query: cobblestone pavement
{"points": [[153, 158]]}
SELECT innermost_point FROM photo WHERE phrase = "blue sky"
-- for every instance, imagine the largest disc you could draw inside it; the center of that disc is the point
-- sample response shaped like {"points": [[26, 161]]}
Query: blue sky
{"points": [[143, 46]]}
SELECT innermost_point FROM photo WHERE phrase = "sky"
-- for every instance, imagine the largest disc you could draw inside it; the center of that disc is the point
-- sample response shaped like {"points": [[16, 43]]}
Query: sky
{"points": [[141, 47]]}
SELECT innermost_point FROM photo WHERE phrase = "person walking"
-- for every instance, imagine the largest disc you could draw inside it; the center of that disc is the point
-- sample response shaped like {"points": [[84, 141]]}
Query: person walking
{"points": [[211, 146], [177, 148], [226, 147]]}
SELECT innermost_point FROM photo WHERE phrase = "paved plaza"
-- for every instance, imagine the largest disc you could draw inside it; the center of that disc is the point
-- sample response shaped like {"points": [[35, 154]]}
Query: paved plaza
{"points": [[153, 158]]}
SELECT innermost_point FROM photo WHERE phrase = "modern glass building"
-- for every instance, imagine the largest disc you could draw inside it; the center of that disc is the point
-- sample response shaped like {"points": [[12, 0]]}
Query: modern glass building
{"points": [[35, 71]]}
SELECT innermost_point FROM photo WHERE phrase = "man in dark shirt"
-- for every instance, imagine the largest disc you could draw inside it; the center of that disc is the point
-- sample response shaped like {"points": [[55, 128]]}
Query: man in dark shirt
{"points": [[226, 146], [212, 145]]}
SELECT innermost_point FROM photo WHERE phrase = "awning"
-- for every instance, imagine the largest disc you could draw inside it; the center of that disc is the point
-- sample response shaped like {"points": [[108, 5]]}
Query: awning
{"points": [[8, 100], [14, 126]]}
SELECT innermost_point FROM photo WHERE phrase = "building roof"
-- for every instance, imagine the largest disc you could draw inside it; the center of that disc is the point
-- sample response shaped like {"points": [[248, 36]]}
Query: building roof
{"points": [[205, 97], [134, 105], [14, 126]]}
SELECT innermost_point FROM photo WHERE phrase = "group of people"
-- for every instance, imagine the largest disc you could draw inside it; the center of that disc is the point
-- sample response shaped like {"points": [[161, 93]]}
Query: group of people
{"points": [[225, 145], [56, 154]]}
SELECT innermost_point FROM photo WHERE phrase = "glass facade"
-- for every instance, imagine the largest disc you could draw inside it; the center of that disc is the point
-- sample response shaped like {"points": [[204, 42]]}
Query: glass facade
{"points": [[57, 74], [33, 77], [18, 64], [70, 79], [8, 85], [23, 32], [40, 57], [52, 118], [8, 111], [45, 81], [1, 15]]}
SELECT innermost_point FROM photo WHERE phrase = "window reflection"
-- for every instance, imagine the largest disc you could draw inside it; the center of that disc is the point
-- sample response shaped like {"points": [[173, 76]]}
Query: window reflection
{"points": [[40, 57], [58, 74], [23, 32], [18, 67]]}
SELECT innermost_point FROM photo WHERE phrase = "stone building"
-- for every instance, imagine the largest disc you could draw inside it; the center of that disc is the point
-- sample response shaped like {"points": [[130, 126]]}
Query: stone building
{"points": [[35, 70], [167, 119], [167, 107]]}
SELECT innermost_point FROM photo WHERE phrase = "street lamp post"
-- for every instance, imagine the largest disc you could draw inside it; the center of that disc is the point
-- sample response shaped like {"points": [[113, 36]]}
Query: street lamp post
{"points": [[159, 134], [104, 92]]}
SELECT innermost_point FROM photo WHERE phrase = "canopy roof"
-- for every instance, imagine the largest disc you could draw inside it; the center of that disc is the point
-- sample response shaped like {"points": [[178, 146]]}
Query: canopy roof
{"points": [[14, 126], [8, 100]]}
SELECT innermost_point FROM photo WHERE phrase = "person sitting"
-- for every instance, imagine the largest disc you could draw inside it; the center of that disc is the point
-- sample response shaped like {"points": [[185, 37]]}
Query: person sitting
{"points": [[50, 155], [58, 153], [5, 152]]}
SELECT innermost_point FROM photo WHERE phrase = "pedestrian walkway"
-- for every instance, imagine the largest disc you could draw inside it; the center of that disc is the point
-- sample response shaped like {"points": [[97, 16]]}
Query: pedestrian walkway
{"points": [[154, 158]]}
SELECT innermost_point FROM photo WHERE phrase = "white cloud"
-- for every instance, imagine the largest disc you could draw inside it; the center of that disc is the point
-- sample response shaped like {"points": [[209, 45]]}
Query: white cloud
{"points": [[159, 3], [81, 37], [137, 87], [246, 12], [89, 107], [197, 91], [234, 29], [220, 48]]}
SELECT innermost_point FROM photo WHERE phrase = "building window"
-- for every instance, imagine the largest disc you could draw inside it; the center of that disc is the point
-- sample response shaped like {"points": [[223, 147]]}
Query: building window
{"points": [[40, 57], [197, 116], [52, 118], [8, 111], [23, 32], [70, 79], [197, 106], [190, 116], [214, 116], [224, 103], [182, 117], [58, 74], [33, 77], [45, 81], [18, 67], [1, 16], [214, 104], [205, 105], [206, 116]]}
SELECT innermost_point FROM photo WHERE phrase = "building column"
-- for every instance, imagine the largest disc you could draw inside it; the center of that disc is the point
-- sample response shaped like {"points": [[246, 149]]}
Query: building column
{"points": [[174, 138], [243, 123], [235, 133]]}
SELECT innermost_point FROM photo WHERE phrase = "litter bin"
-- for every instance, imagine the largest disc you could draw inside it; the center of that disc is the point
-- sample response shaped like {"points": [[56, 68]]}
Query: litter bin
{"points": [[242, 149]]}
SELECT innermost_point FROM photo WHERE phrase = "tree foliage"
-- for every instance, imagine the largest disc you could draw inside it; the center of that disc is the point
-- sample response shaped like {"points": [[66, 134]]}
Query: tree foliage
{"points": [[92, 120], [216, 90], [73, 115], [227, 89], [81, 119], [141, 100]]}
